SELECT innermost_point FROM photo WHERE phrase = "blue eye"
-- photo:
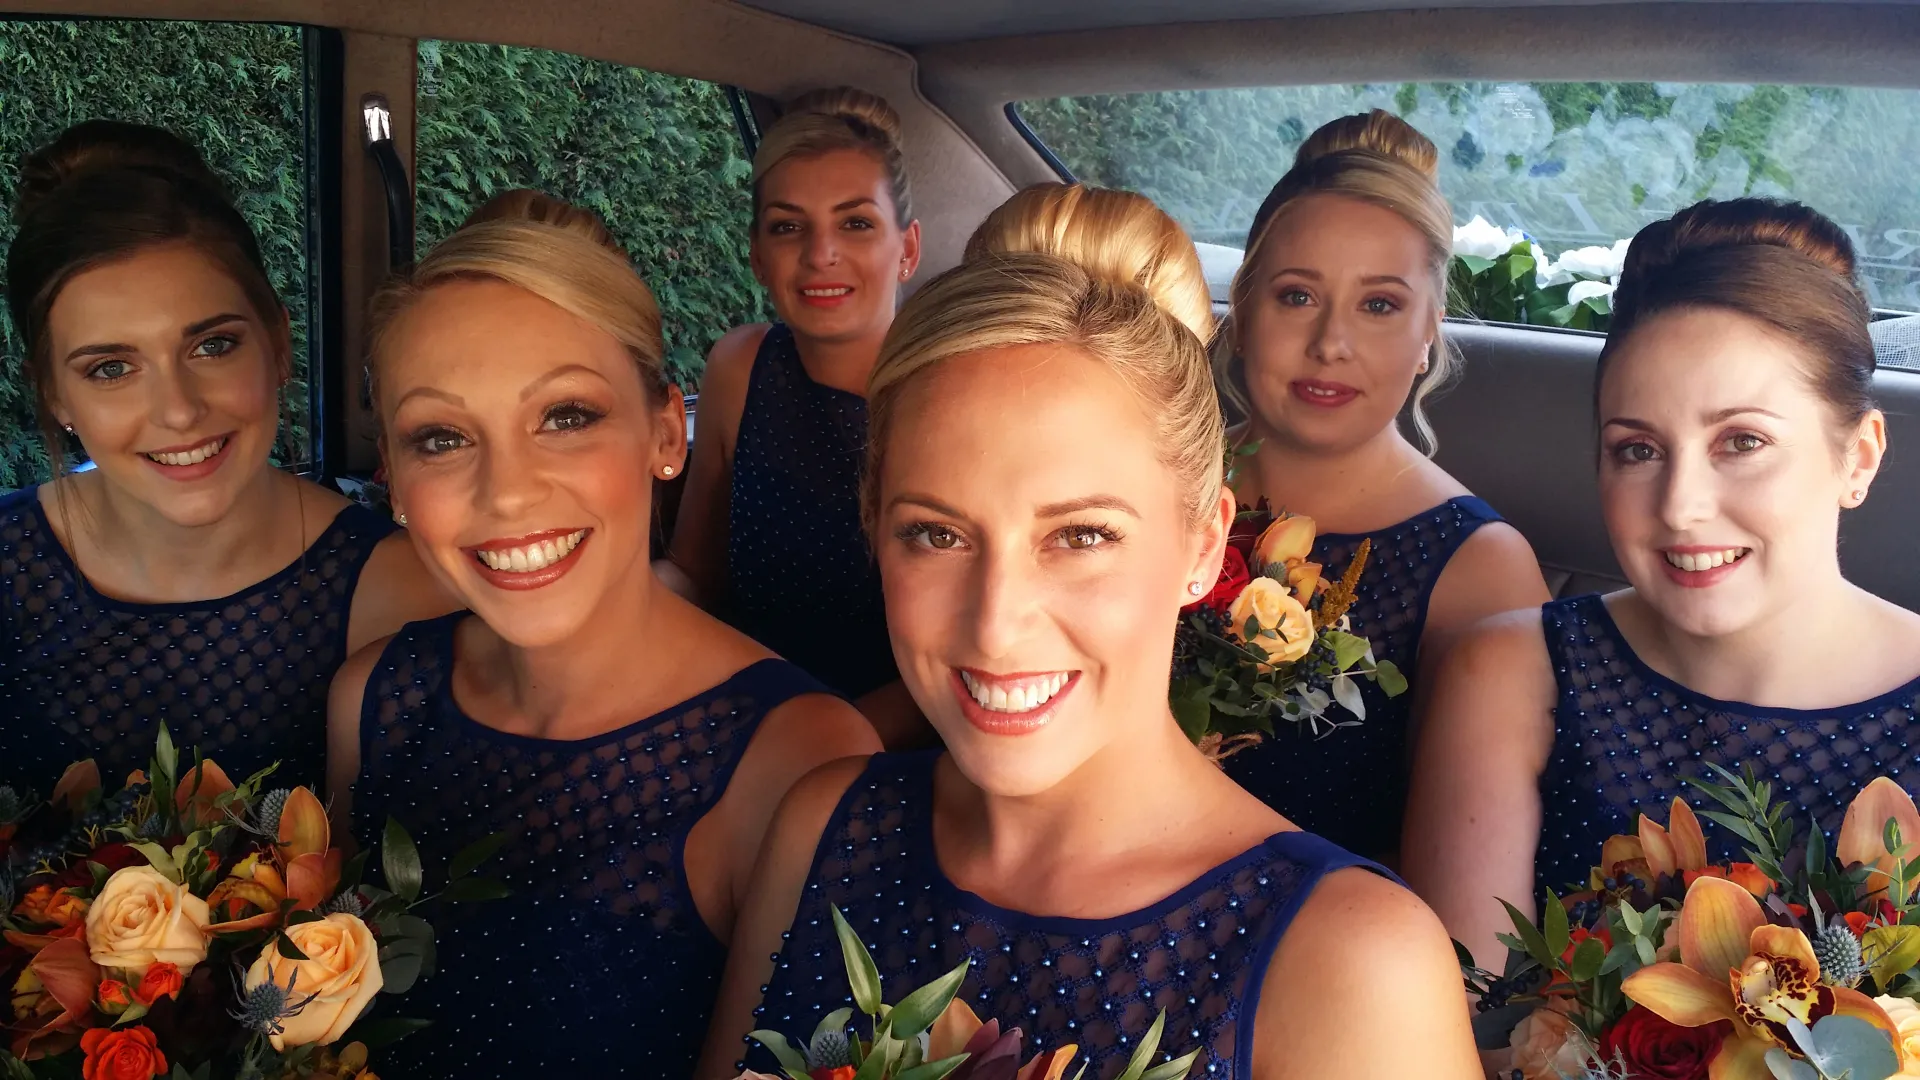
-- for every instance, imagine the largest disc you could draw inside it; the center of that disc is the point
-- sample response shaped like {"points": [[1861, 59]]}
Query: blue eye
{"points": [[110, 370], [218, 345]]}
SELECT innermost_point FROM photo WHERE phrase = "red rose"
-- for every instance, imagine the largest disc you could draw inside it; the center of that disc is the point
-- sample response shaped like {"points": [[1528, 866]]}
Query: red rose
{"points": [[1654, 1049], [126, 1054], [1233, 578], [112, 856]]}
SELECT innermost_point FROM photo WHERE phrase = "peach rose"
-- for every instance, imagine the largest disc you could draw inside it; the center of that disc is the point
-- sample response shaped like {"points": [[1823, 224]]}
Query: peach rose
{"points": [[1282, 626], [141, 919], [1288, 540], [342, 968], [1546, 1046], [1906, 1040]]}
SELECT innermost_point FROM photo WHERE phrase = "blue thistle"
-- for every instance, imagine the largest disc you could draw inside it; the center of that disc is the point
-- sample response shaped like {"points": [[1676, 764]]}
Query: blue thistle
{"points": [[347, 903], [829, 1050], [266, 815], [264, 1007], [12, 806], [154, 828]]}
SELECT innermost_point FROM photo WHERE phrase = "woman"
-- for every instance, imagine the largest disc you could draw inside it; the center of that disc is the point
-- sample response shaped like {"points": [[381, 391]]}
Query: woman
{"points": [[769, 527], [1336, 331], [1735, 424], [631, 748], [1092, 864], [183, 582]]}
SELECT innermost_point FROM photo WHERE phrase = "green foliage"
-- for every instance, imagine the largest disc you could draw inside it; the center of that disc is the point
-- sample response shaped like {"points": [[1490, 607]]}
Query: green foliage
{"points": [[659, 158], [234, 90]]}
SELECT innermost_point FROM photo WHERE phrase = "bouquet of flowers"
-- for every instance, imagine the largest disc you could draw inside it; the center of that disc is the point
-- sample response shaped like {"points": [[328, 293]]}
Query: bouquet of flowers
{"points": [[1797, 964], [193, 929], [930, 1035], [1272, 640]]}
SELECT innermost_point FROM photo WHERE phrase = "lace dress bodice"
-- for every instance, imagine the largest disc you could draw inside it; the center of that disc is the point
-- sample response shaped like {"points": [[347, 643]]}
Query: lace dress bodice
{"points": [[1201, 953], [598, 964], [1350, 785], [1626, 740], [243, 678]]}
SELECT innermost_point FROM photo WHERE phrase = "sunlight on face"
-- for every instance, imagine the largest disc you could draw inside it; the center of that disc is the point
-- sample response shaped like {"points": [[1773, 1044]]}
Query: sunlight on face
{"points": [[1719, 476], [1340, 311], [828, 247], [1034, 551], [521, 445], [169, 378]]}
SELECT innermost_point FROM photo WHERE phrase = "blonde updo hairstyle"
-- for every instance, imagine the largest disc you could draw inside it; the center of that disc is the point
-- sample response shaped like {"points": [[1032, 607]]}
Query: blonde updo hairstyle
{"points": [[552, 249], [841, 118], [1106, 272], [1375, 158]]}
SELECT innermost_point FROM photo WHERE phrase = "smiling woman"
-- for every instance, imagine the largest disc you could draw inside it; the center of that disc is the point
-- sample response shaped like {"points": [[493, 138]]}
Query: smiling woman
{"points": [[630, 747], [182, 581], [1735, 428]]}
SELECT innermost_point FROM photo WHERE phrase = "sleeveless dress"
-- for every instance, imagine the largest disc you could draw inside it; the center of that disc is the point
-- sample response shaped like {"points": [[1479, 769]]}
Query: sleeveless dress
{"points": [[1351, 785], [598, 964], [1626, 738], [801, 578], [1201, 953], [243, 678]]}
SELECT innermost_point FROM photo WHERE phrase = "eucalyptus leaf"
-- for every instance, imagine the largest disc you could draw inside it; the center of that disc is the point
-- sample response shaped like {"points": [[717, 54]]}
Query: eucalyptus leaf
{"points": [[1347, 693], [1348, 649], [1786, 1067], [1847, 1046], [862, 974], [1391, 681]]}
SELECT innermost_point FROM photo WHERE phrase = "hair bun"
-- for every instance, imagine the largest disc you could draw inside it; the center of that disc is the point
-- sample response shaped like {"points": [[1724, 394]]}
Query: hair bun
{"points": [[1733, 223], [1378, 131], [97, 145], [1115, 236], [853, 105]]}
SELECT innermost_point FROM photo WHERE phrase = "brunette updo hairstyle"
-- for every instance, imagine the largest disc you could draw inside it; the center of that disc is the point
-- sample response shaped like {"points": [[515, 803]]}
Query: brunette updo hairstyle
{"points": [[1105, 271], [1781, 264], [840, 118], [1375, 158], [100, 192]]}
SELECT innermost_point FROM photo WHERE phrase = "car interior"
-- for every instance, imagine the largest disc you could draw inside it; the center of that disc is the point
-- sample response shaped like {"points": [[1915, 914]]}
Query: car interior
{"points": [[1517, 428]]}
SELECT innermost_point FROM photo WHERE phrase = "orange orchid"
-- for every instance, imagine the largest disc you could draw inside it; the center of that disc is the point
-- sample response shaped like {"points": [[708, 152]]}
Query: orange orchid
{"points": [[1677, 848], [248, 898], [1287, 541], [61, 912], [52, 999], [81, 779], [195, 794], [1744, 874], [1734, 966], [305, 869], [1863, 832]]}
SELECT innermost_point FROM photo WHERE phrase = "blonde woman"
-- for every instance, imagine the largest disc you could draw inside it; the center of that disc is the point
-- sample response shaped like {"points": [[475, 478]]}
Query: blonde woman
{"points": [[631, 747], [768, 533], [1335, 333], [1070, 842]]}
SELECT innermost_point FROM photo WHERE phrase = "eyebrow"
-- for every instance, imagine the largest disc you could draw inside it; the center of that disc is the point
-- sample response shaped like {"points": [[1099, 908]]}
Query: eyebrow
{"points": [[1051, 510], [1718, 417], [1315, 275], [850, 204], [110, 348], [557, 373]]}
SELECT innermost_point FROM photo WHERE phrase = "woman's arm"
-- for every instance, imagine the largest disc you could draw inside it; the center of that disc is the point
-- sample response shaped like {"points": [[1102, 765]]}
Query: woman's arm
{"points": [[697, 554], [794, 739], [1493, 572], [1364, 985], [779, 878], [1473, 810], [346, 699], [395, 588]]}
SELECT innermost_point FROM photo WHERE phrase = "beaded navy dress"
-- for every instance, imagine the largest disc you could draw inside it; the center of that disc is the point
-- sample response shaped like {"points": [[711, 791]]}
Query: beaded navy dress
{"points": [[598, 964], [243, 678], [801, 578], [1626, 738], [1351, 785], [1201, 954]]}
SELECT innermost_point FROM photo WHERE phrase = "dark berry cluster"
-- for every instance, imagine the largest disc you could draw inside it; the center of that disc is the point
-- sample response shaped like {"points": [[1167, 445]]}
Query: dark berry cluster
{"points": [[1191, 639]]}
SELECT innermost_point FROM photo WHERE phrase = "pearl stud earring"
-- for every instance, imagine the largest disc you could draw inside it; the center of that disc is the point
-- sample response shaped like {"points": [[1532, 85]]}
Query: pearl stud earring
{"points": [[400, 519], [666, 470], [1196, 588]]}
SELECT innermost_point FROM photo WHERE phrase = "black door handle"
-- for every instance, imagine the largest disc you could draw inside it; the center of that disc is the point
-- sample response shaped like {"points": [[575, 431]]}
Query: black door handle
{"points": [[393, 179]]}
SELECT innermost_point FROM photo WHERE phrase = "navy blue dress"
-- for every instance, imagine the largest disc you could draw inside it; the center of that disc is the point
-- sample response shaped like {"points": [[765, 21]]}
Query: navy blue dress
{"points": [[1201, 954], [1351, 785], [1626, 738], [801, 578], [607, 967], [243, 678]]}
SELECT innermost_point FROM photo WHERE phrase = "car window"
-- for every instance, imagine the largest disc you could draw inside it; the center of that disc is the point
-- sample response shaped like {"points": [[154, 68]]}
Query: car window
{"points": [[659, 158], [1535, 170], [240, 92]]}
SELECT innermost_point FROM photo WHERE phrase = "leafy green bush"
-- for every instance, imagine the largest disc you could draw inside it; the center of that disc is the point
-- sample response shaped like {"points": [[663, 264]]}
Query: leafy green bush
{"points": [[659, 158], [235, 90]]}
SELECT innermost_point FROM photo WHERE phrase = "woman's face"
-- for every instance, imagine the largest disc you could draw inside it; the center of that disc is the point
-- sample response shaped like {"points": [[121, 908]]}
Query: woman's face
{"points": [[1719, 473], [1035, 554], [1340, 313], [522, 449], [169, 378], [828, 248]]}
